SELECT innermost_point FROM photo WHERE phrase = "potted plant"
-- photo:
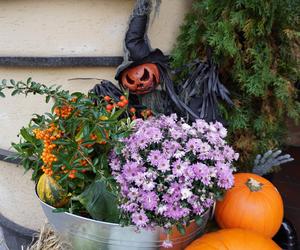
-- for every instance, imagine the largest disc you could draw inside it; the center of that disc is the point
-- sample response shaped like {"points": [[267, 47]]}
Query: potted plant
{"points": [[107, 179]]}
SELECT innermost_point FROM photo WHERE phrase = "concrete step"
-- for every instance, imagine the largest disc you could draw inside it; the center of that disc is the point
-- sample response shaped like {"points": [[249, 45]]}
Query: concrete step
{"points": [[20, 212], [3, 245]]}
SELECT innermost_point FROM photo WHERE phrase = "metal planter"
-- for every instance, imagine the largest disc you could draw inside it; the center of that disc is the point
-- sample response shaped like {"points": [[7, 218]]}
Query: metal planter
{"points": [[89, 234]]}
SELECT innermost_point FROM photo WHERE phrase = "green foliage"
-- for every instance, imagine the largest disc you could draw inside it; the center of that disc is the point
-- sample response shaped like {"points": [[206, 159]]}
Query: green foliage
{"points": [[71, 143], [100, 202], [256, 46]]}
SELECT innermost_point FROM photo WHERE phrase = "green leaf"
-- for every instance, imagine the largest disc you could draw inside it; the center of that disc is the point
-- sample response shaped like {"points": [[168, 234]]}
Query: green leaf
{"points": [[86, 131], [79, 135], [16, 91], [62, 142], [2, 94], [100, 202], [25, 134], [48, 98], [29, 80], [117, 114], [199, 220], [60, 210], [181, 229]]}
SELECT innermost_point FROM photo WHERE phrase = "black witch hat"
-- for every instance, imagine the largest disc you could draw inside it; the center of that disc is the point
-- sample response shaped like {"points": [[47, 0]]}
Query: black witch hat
{"points": [[137, 48]]}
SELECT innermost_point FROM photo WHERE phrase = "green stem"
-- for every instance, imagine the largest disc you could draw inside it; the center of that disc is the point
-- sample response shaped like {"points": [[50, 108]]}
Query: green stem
{"points": [[254, 185]]}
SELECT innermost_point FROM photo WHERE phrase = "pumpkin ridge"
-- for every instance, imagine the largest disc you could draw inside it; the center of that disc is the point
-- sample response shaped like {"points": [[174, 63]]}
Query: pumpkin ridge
{"points": [[275, 229], [224, 206]]}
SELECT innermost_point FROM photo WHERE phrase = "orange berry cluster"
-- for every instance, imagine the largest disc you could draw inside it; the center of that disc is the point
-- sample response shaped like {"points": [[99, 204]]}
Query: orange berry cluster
{"points": [[133, 112], [48, 136], [64, 111], [84, 163], [93, 137], [111, 105], [146, 113], [71, 173]]}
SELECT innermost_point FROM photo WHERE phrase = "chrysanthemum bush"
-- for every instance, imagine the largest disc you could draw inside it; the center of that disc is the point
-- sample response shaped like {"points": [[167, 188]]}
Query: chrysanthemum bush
{"points": [[170, 172]]}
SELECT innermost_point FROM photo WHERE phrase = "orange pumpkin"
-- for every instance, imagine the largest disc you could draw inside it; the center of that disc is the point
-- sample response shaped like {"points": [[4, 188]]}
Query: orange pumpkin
{"points": [[233, 239], [253, 203]]}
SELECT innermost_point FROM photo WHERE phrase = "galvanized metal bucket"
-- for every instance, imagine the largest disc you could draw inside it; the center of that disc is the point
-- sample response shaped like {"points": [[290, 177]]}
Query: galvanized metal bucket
{"points": [[88, 234]]}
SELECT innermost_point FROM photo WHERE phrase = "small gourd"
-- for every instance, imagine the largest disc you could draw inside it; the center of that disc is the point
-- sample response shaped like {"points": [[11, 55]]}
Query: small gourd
{"points": [[50, 192]]}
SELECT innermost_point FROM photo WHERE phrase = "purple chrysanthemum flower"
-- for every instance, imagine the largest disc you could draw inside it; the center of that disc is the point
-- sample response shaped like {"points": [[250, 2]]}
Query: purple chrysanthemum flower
{"points": [[148, 185], [133, 193], [201, 126], [179, 168], [130, 170], [142, 142], [167, 244], [225, 179], [174, 211], [202, 173], [154, 157], [140, 219], [149, 200], [130, 207], [194, 145], [163, 165], [170, 147], [153, 134]]}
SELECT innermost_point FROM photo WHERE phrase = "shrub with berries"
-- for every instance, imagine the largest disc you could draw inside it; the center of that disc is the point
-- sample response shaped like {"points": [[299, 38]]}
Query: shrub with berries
{"points": [[71, 143]]}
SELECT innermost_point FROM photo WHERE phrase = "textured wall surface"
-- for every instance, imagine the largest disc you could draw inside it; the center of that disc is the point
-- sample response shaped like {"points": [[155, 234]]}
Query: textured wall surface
{"points": [[69, 28], [79, 27]]}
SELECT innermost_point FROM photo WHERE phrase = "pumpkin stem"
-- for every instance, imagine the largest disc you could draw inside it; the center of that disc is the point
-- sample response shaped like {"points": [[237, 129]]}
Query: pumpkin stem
{"points": [[254, 185]]}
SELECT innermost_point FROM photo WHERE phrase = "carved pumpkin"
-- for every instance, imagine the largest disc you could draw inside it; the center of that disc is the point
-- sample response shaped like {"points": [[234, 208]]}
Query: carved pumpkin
{"points": [[141, 79], [253, 203], [233, 239]]}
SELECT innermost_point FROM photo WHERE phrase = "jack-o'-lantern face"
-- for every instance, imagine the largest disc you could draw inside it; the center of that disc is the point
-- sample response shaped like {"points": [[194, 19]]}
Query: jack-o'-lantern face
{"points": [[141, 79]]}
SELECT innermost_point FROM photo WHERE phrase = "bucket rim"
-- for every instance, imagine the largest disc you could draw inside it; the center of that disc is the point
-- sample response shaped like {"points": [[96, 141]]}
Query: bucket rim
{"points": [[205, 213]]}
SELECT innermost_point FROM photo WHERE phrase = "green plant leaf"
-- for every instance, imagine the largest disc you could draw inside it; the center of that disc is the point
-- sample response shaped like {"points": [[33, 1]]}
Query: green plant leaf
{"points": [[181, 229], [60, 210], [25, 134], [99, 202], [199, 220], [62, 142], [48, 98], [117, 114], [15, 92]]}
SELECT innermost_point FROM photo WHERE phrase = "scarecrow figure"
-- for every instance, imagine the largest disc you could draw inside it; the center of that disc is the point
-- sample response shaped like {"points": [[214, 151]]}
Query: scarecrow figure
{"points": [[145, 73]]}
